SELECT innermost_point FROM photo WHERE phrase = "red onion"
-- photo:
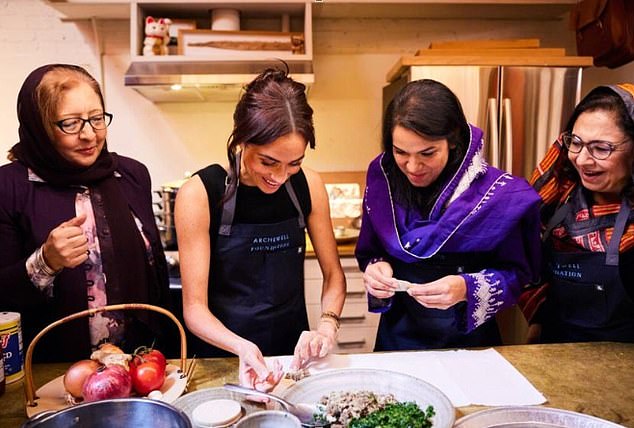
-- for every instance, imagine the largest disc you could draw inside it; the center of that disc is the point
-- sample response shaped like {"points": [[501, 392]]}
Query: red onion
{"points": [[107, 382]]}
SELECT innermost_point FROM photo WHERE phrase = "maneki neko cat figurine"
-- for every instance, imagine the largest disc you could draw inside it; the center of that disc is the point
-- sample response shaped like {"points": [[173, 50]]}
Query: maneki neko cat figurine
{"points": [[156, 36]]}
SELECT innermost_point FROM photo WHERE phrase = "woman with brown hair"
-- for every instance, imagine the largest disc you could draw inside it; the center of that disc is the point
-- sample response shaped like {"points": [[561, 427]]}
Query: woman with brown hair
{"points": [[241, 238]]}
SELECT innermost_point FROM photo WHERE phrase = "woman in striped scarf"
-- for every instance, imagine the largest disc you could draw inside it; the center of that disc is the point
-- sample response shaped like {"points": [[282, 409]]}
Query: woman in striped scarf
{"points": [[586, 185]]}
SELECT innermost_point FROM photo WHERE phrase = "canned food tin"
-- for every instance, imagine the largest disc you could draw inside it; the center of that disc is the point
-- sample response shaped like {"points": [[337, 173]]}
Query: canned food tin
{"points": [[11, 340], [2, 381]]}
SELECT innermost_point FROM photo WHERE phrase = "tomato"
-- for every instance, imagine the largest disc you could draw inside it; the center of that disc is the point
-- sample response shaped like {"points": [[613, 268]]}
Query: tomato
{"points": [[150, 354], [146, 375], [156, 356]]}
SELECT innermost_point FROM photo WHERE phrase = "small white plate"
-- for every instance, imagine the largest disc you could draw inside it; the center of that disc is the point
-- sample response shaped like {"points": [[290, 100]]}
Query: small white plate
{"points": [[188, 402], [217, 412]]}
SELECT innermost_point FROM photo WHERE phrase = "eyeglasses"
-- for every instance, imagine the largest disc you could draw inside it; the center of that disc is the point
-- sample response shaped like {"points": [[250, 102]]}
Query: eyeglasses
{"points": [[598, 149], [74, 125]]}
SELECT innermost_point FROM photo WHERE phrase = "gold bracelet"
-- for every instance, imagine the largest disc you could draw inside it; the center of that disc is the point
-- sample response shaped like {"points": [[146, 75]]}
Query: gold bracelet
{"points": [[329, 315], [332, 322]]}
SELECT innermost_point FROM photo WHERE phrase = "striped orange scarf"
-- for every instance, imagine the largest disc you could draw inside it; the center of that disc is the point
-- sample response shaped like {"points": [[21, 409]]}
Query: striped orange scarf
{"points": [[556, 192]]}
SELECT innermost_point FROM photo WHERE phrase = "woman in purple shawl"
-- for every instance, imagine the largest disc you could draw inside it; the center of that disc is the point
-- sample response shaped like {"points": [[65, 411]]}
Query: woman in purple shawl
{"points": [[458, 237]]}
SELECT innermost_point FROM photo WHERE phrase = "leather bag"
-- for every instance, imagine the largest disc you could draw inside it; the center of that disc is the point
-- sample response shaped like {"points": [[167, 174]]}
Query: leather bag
{"points": [[604, 30]]}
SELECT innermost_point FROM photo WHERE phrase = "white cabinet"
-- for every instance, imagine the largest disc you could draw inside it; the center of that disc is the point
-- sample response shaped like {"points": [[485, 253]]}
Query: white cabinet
{"points": [[212, 65], [358, 326]]}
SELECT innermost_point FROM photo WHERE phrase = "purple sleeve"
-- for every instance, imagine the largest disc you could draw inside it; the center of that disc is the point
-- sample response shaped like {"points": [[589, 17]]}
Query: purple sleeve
{"points": [[517, 264], [367, 251], [368, 245]]}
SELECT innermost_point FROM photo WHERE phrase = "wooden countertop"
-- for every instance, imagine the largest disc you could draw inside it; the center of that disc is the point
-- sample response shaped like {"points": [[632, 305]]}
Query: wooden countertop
{"points": [[591, 378], [344, 250]]}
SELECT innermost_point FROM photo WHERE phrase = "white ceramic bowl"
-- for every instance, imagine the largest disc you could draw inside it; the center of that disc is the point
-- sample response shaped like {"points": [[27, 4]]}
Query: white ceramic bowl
{"points": [[531, 417], [269, 419], [403, 387]]}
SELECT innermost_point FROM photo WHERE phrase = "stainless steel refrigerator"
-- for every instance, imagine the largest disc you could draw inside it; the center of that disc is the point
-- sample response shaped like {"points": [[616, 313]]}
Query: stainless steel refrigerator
{"points": [[521, 110]]}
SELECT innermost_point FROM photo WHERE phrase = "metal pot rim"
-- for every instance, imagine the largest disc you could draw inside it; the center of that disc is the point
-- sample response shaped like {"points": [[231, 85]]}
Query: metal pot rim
{"points": [[46, 416]]}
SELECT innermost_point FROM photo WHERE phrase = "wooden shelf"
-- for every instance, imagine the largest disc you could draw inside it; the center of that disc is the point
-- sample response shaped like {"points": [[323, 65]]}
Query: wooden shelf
{"points": [[254, 16], [448, 9], [523, 61], [438, 9], [86, 9]]}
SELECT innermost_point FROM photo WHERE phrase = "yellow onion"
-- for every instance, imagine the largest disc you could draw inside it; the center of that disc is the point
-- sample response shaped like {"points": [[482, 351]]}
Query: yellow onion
{"points": [[77, 374]]}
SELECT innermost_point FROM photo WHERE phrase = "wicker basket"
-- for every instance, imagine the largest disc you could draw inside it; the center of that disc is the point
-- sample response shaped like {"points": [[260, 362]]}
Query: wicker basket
{"points": [[29, 387]]}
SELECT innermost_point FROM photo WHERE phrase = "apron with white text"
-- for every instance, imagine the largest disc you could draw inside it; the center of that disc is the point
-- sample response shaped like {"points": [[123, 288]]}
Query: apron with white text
{"points": [[587, 300], [257, 277]]}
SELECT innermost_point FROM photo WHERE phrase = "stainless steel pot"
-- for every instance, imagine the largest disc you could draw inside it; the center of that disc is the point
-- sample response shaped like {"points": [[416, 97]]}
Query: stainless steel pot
{"points": [[165, 216], [118, 412]]}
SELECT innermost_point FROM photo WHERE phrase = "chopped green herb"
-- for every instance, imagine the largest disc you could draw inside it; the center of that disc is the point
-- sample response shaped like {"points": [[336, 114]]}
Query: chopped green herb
{"points": [[398, 415]]}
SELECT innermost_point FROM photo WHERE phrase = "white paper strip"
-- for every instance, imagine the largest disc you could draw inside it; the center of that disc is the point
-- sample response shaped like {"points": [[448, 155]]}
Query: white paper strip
{"points": [[466, 377]]}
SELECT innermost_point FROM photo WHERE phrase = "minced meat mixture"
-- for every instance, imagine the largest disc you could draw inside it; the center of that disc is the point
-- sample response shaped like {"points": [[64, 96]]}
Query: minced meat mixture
{"points": [[342, 407]]}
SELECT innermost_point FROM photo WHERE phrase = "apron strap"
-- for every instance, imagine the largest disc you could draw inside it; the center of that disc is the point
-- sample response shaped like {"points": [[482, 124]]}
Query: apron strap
{"points": [[291, 193], [612, 255], [555, 220], [229, 207]]}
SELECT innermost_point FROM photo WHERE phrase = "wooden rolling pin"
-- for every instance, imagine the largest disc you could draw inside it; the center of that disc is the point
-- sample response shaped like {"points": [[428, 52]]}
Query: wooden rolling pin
{"points": [[294, 44]]}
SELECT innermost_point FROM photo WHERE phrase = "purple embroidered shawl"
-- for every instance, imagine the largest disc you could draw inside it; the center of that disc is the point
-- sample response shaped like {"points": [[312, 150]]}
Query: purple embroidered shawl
{"points": [[475, 211]]}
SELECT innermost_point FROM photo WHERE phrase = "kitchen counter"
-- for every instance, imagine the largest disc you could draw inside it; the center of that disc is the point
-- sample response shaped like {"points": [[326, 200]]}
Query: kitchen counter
{"points": [[344, 250], [591, 378]]}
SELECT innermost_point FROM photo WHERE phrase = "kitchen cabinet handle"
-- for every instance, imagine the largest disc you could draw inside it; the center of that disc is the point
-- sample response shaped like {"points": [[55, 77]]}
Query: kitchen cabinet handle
{"points": [[351, 343], [352, 319], [355, 294], [492, 133], [507, 120]]}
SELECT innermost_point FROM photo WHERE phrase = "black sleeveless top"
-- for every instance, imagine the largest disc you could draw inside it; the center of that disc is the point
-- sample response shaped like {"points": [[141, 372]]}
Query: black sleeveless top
{"points": [[252, 205]]}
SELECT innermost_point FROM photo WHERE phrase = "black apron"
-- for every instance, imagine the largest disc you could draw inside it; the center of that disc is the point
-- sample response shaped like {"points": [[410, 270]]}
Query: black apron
{"points": [[586, 299], [409, 325], [257, 277]]}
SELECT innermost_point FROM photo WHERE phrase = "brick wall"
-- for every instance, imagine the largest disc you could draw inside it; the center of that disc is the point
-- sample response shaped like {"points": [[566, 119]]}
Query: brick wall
{"points": [[31, 34], [352, 57]]}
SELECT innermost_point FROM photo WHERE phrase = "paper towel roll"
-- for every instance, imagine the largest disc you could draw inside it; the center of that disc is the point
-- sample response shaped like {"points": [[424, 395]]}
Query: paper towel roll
{"points": [[225, 19]]}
